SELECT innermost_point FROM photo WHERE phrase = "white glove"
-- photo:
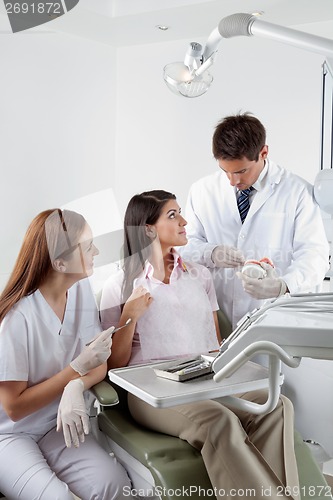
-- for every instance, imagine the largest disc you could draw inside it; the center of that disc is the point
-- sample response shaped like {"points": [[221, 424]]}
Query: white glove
{"points": [[266, 288], [94, 354], [225, 256], [72, 414]]}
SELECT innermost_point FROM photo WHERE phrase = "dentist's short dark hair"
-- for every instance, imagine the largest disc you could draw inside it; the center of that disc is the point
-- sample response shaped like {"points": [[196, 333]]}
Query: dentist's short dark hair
{"points": [[239, 136]]}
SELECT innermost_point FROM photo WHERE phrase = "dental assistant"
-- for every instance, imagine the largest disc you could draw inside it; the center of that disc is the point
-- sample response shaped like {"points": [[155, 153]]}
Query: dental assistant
{"points": [[47, 315], [283, 222], [173, 309]]}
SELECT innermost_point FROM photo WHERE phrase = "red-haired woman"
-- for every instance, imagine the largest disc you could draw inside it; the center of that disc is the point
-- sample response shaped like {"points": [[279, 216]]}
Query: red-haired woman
{"points": [[47, 316]]}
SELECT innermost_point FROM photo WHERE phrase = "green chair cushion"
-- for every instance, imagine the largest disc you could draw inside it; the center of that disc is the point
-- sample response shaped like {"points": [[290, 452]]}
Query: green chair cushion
{"points": [[224, 324], [172, 462], [313, 484], [105, 393]]}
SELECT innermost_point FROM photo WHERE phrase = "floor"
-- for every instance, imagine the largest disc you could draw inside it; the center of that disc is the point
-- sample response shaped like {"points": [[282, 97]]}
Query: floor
{"points": [[329, 480], [328, 472], [328, 467]]}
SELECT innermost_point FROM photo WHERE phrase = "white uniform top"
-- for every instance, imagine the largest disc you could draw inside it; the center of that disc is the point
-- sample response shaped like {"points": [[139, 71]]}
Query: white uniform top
{"points": [[284, 223], [35, 345], [178, 322]]}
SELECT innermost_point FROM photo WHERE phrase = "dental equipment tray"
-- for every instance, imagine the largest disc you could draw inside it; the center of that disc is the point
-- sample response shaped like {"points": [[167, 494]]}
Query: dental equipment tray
{"points": [[142, 381], [187, 369]]}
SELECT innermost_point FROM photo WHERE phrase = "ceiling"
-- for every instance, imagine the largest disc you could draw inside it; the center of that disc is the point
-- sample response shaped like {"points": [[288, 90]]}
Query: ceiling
{"points": [[131, 22]]}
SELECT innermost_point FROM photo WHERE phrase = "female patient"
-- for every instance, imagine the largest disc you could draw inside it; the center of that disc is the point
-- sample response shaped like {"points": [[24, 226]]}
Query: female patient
{"points": [[46, 318], [172, 306]]}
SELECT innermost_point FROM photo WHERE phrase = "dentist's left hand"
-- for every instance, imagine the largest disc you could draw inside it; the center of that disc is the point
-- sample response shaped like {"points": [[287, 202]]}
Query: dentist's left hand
{"points": [[72, 415], [267, 288]]}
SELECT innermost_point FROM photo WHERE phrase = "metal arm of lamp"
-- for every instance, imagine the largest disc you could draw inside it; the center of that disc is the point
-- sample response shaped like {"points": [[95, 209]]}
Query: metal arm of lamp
{"points": [[189, 79]]}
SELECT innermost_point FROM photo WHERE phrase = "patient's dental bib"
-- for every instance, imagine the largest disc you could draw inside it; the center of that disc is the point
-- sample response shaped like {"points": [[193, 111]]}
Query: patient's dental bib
{"points": [[180, 320]]}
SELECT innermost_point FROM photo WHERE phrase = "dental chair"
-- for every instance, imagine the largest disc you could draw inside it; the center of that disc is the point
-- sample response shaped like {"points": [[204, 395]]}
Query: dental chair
{"points": [[159, 464]]}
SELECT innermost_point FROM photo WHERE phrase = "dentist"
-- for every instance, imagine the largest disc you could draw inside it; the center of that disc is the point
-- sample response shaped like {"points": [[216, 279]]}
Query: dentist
{"points": [[252, 208]]}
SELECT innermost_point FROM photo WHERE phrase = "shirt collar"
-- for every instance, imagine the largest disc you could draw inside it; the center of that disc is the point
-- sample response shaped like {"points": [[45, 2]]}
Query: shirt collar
{"points": [[260, 182], [178, 263]]}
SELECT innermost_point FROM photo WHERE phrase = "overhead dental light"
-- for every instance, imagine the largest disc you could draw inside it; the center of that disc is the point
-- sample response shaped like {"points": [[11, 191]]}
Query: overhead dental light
{"points": [[185, 78], [191, 78]]}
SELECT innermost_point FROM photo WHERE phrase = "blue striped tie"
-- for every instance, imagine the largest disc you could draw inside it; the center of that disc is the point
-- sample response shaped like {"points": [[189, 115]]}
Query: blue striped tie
{"points": [[244, 203]]}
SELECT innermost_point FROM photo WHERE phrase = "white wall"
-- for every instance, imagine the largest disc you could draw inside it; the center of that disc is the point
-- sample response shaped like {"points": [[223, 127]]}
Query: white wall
{"points": [[165, 140], [57, 128]]}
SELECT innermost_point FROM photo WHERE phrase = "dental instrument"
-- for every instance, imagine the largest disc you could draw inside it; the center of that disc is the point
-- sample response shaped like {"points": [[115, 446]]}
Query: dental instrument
{"points": [[115, 330]]}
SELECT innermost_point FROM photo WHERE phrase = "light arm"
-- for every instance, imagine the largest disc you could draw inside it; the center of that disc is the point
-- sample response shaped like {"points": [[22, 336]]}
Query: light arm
{"points": [[191, 81], [248, 25], [275, 354]]}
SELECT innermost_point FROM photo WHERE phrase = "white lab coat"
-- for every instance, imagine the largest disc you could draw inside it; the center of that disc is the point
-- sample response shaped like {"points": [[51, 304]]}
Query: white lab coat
{"points": [[284, 223]]}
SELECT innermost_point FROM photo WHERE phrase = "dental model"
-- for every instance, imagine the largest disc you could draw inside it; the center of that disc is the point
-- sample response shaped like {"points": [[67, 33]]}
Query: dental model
{"points": [[254, 269]]}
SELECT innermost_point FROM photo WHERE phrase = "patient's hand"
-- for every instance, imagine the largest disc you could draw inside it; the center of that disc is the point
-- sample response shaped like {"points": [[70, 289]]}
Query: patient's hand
{"points": [[137, 303]]}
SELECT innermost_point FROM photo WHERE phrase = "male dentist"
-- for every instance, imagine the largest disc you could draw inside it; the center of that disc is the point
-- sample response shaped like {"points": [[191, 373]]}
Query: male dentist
{"points": [[250, 209]]}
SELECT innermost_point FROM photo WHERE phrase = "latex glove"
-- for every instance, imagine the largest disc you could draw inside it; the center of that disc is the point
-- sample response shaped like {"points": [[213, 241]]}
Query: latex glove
{"points": [[225, 256], [266, 288], [72, 415], [95, 354]]}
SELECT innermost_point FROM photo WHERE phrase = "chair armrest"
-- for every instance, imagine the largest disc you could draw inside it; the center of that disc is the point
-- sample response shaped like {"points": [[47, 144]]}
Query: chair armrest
{"points": [[105, 394]]}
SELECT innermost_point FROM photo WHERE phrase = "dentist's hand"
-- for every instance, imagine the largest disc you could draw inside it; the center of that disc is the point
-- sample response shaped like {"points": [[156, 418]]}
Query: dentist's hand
{"points": [[267, 288], [95, 354], [72, 415], [225, 256]]}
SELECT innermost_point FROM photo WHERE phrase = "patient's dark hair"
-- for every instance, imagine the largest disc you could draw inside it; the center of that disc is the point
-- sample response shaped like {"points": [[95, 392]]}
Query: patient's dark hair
{"points": [[239, 136], [142, 210]]}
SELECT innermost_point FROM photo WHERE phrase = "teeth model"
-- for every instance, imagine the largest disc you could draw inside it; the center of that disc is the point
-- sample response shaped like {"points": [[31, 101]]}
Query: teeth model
{"points": [[254, 269]]}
